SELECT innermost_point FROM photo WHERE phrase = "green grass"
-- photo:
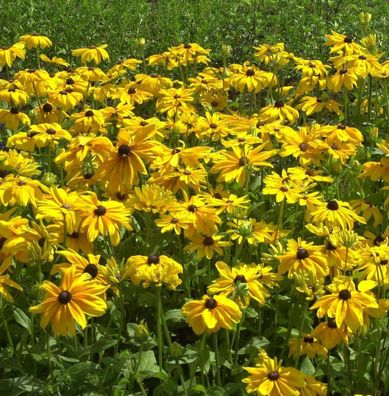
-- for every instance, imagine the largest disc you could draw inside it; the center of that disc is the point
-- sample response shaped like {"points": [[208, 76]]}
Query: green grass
{"points": [[240, 23]]}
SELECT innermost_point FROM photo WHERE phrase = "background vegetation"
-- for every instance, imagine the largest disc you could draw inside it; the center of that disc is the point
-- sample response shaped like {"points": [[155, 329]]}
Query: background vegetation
{"points": [[300, 24]]}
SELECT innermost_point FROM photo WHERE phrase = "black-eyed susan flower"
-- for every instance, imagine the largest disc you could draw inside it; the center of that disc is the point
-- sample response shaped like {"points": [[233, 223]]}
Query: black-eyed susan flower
{"points": [[234, 164], [313, 387], [329, 334], [5, 283], [36, 41], [307, 345], [48, 135], [126, 161], [335, 213], [210, 314], [158, 270], [102, 217], [250, 230], [55, 60], [206, 245], [346, 304], [271, 379], [279, 111], [94, 54], [174, 221], [174, 101], [76, 297], [303, 256], [241, 283], [8, 55]]}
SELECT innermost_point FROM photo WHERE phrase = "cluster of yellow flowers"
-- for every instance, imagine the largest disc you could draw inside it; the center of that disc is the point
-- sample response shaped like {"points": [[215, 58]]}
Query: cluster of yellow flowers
{"points": [[94, 156]]}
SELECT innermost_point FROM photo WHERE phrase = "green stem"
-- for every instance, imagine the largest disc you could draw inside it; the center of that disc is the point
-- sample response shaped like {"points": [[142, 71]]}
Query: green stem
{"points": [[370, 98], [360, 93], [50, 364], [280, 218], [237, 339], [5, 325], [122, 319], [159, 329], [305, 306], [217, 359]]}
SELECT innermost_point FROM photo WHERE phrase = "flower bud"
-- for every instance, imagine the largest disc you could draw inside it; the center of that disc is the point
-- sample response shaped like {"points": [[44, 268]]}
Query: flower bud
{"points": [[141, 333], [226, 50], [49, 179], [364, 18], [176, 350]]}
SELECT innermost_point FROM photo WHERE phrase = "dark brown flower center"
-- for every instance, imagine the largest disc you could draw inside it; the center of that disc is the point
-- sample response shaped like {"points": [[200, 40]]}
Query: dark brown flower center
{"points": [[64, 297], [279, 104], [89, 113], [124, 150], [242, 161], [208, 241], [192, 208], [332, 205], [153, 259], [344, 295], [100, 210], [131, 91], [240, 278], [273, 376], [14, 110], [332, 324], [210, 303], [343, 71], [250, 73], [92, 270], [302, 253], [308, 340], [213, 126], [47, 107], [348, 39], [303, 146], [330, 246], [51, 131], [378, 240]]}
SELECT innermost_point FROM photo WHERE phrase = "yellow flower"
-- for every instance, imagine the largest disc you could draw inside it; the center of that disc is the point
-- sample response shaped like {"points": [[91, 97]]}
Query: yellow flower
{"points": [[174, 101], [5, 282], [346, 304], [92, 54], [308, 345], [269, 378], [8, 55], [329, 334], [303, 256], [279, 111], [345, 77], [55, 60], [233, 165], [210, 314], [75, 298], [48, 135], [241, 283], [341, 42], [206, 246], [102, 217], [36, 41], [335, 214]]}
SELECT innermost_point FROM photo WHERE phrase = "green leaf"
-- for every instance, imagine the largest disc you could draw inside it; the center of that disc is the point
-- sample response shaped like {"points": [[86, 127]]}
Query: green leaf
{"points": [[22, 319], [175, 315], [148, 366], [307, 367]]}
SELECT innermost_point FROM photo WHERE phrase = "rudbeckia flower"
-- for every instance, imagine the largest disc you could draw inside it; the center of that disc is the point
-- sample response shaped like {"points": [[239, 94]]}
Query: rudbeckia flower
{"points": [[329, 334], [303, 256], [206, 245], [210, 314], [92, 54], [241, 282], [8, 55], [307, 345], [36, 41], [76, 297], [347, 304], [102, 217], [269, 378], [279, 111], [335, 213], [5, 282]]}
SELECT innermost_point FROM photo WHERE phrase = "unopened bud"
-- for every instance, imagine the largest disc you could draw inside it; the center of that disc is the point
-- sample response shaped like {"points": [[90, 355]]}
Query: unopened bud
{"points": [[49, 179], [364, 18], [176, 350]]}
